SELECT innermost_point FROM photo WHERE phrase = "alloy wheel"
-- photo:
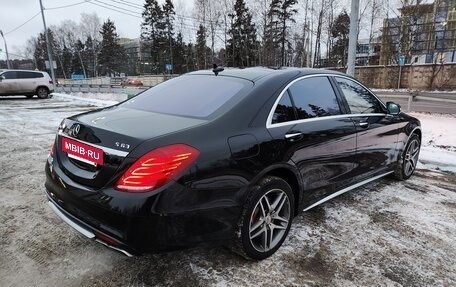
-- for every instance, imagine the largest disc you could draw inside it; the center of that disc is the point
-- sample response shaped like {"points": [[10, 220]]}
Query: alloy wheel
{"points": [[42, 93], [269, 220], [411, 157]]}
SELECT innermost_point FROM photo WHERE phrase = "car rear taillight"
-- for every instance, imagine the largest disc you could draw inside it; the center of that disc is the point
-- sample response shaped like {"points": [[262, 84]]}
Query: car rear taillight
{"points": [[157, 167], [51, 82]]}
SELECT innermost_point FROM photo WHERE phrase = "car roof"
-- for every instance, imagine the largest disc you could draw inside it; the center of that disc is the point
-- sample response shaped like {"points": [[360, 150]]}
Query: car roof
{"points": [[255, 73]]}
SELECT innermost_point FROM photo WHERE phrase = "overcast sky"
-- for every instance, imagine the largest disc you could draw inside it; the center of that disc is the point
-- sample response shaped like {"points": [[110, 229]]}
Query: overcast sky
{"points": [[14, 13]]}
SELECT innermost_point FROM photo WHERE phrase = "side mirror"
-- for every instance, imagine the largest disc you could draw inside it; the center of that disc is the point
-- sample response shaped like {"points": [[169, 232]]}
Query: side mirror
{"points": [[393, 108], [2, 78]]}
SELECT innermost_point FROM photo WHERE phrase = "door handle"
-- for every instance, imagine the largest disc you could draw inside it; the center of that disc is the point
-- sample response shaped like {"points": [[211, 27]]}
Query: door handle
{"points": [[293, 135], [363, 124]]}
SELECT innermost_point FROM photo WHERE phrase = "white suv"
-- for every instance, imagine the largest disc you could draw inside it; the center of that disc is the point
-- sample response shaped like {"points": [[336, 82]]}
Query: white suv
{"points": [[24, 82]]}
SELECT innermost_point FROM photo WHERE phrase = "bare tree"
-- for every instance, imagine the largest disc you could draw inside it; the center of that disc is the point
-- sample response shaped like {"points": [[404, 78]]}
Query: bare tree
{"points": [[29, 49], [90, 27]]}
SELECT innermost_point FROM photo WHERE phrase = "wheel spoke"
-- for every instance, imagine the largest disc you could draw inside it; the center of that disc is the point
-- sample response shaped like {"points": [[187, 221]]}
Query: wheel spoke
{"points": [[277, 201], [412, 163], [278, 209], [270, 238], [279, 218], [256, 225], [274, 226], [268, 205], [263, 212], [409, 167], [258, 232], [265, 240]]}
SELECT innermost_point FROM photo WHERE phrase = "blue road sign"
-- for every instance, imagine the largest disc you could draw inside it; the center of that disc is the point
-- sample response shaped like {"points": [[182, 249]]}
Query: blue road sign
{"points": [[401, 60], [169, 67]]}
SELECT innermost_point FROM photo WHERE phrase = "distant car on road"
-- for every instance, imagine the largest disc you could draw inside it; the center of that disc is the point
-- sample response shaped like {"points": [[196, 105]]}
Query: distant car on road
{"points": [[25, 82], [131, 82], [224, 157]]}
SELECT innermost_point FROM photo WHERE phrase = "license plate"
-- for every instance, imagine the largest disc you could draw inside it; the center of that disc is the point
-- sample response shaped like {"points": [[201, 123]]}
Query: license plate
{"points": [[82, 151]]}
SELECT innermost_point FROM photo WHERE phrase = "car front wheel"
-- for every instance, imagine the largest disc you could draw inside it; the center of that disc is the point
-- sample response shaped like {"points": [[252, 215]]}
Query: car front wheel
{"points": [[409, 160], [42, 93], [266, 219]]}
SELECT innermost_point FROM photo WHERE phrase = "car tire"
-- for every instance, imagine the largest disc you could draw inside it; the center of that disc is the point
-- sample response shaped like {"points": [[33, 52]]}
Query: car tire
{"points": [[42, 93], [266, 219], [409, 159]]}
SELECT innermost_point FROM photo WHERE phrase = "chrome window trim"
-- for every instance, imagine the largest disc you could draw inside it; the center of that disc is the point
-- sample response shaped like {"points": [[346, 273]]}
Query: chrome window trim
{"points": [[290, 123], [356, 185], [105, 149], [269, 123]]}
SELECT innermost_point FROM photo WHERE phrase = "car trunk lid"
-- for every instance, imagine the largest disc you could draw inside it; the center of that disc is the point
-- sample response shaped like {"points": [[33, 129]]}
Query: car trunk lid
{"points": [[92, 146]]}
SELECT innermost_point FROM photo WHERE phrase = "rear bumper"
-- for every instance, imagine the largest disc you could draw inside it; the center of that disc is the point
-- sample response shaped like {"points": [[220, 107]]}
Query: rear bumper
{"points": [[83, 228], [141, 223]]}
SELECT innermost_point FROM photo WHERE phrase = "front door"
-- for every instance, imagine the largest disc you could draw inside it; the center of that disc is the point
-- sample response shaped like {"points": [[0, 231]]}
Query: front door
{"points": [[377, 131]]}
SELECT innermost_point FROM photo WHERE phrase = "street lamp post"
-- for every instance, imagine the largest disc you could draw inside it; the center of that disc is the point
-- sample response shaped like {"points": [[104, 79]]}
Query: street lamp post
{"points": [[48, 45], [353, 37], [6, 49]]}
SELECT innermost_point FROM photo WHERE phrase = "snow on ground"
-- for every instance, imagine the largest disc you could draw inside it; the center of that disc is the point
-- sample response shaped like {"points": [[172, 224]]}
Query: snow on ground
{"points": [[438, 148]]}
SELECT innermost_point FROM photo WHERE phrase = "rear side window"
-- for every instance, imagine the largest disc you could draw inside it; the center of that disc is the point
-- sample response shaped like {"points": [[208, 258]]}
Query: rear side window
{"points": [[314, 97], [191, 95], [28, 75], [359, 99], [284, 111]]}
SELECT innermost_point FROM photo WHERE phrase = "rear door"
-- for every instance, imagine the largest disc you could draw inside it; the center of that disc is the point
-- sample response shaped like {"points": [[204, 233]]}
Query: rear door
{"points": [[27, 81], [316, 135], [377, 132]]}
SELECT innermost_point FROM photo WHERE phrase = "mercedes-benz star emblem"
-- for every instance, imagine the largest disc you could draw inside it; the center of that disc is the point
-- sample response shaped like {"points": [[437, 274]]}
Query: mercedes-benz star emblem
{"points": [[76, 130]]}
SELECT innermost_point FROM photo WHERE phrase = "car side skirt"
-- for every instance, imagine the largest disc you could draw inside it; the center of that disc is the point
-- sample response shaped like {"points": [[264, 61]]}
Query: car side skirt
{"points": [[346, 189]]}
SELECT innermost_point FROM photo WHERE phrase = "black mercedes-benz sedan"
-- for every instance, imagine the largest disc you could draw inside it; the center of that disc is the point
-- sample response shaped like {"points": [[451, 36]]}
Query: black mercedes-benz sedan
{"points": [[225, 157]]}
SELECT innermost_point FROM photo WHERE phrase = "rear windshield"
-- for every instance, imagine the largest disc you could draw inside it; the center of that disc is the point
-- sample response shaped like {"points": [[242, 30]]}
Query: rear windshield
{"points": [[197, 96]]}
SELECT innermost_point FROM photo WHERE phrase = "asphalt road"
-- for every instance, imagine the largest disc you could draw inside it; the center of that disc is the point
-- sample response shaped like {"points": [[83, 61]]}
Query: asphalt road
{"points": [[387, 233], [422, 105]]}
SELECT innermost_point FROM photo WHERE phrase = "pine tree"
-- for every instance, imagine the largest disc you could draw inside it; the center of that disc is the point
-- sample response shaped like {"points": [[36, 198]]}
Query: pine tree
{"points": [[153, 33], [168, 25], [201, 48], [281, 12], [88, 56], [242, 45], [41, 54], [179, 53], [272, 35], [285, 15], [77, 64], [112, 56], [340, 30]]}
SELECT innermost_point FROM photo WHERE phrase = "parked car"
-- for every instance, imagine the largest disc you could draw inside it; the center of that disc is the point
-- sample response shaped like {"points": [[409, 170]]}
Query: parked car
{"points": [[24, 82], [231, 159], [131, 82]]}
